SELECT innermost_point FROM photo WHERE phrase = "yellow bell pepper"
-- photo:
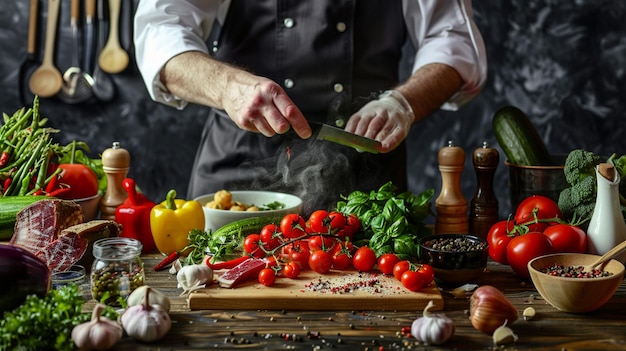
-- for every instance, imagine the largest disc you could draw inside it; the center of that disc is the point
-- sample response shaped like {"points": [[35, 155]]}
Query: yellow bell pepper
{"points": [[172, 220]]}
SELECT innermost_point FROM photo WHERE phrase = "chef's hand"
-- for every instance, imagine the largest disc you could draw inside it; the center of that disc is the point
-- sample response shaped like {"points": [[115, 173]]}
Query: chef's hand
{"points": [[258, 104], [387, 119]]}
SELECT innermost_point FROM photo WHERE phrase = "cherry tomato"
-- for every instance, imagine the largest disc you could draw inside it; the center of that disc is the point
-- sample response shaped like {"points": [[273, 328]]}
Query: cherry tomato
{"points": [[364, 259], [400, 268], [523, 248], [427, 272], [251, 245], [350, 228], [81, 180], [291, 270], [298, 252], [270, 236], [292, 226], [412, 280], [317, 221], [337, 221], [545, 207], [498, 239], [320, 261], [567, 238], [341, 261], [267, 276], [321, 242], [386, 262]]}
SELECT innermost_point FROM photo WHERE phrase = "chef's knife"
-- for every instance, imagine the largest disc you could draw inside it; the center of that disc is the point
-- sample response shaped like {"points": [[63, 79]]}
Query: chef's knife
{"points": [[336, 135]]}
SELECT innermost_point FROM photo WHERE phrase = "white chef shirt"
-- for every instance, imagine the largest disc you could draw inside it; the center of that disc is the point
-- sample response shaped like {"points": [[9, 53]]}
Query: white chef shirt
{"points": [[442, 31]]}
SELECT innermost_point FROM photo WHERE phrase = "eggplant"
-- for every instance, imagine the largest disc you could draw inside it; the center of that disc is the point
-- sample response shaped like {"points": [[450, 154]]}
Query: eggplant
{"points": [[21, 274]]}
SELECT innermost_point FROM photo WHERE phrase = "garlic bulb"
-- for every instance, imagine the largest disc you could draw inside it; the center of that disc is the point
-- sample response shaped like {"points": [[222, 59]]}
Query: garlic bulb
{"points": [[146, 322], [490, 308], [431, 328], [100, 333], [193, 277], [156, 298]]}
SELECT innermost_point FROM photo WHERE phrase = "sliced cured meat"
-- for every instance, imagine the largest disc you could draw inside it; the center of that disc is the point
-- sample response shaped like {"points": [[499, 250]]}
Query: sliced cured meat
{"points": [[40, 224], [247, 270], [64, 252]]}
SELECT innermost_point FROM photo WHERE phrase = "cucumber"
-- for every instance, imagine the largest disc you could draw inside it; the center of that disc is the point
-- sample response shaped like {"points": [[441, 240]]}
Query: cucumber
{"points": [[9, 207], [228, 240], [519, 139]]}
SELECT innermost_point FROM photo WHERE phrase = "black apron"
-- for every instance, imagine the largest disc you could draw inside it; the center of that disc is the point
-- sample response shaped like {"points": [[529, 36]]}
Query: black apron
{"points": [[330, 57]]}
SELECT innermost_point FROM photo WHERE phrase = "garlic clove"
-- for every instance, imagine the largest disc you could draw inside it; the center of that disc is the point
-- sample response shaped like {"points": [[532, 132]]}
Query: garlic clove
{"points": [[529, 313], [504, 335]]}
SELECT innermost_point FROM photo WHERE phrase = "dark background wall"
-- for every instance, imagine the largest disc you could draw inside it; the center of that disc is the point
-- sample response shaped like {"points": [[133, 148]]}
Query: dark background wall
{"points": [[561, 62]]}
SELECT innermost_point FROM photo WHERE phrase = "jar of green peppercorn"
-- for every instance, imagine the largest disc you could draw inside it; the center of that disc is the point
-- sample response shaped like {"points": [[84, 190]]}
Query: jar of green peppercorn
{"points": [[117, 269]]}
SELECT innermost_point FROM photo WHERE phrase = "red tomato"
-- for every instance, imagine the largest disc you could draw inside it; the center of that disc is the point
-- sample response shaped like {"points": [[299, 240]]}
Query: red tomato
{"points": [[320, 261], [267, 276], [270, 236], [298, 252], [523, 248], [317, 221], [386, 262], [251, 244], [412, 280], [567, 238], [350, 228], [321, 242], [337, 221], [292, 226], [341, 260], [81, 180], [401, 267], [291, 270], [364, 259], [545, 208], [427, 272], [498, 239]]}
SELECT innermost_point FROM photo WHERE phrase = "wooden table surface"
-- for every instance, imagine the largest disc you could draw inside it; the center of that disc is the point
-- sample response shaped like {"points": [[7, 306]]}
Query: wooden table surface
{"points": [[604, 329]]}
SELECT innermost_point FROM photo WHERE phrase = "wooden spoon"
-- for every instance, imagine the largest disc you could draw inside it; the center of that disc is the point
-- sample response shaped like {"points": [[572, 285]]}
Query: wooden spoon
{"points": [[113, 58], [46, 81], [599, 263]]}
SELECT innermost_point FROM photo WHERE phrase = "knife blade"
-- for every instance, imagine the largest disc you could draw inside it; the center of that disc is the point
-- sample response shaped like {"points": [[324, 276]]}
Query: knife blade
{"points": [[336, 135]]}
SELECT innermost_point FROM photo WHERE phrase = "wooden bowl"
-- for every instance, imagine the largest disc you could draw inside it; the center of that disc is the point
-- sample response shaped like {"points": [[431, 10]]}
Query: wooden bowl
{"points": [[576, 295]]}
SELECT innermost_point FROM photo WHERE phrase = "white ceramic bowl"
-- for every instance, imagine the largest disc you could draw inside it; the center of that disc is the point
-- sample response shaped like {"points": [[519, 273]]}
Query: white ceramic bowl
{"points": [[215, 219]]}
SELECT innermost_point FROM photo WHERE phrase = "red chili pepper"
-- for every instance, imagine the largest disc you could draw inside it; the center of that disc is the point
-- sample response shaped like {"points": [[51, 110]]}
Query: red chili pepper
{"points": [[4, 158], [167, 261], [52, 184], [7, 184], [226, 264], [58, 191]]}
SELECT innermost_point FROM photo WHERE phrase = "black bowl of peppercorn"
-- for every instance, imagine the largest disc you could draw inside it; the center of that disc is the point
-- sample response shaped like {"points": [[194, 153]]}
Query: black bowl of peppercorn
{"points": [[456, 258]]}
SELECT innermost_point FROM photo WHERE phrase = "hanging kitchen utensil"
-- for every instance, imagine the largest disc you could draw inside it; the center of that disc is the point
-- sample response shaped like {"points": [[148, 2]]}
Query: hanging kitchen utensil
{"points": [[339, 136], [103, 87], [76, 83], [47, 81], [30, 62], [90, 14], [113, 58]]}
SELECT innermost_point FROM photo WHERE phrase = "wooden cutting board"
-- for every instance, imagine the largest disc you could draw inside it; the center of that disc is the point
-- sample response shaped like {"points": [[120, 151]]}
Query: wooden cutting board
{"points": [[313, 291]]}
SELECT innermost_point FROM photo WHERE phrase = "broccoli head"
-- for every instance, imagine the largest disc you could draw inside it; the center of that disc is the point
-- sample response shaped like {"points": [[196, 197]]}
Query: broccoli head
{"points": [[579, 200], [579, 165]]}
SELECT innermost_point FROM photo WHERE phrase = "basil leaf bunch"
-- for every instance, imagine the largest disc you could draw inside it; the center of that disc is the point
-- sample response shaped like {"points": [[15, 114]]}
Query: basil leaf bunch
{"points": [[390, 222]]}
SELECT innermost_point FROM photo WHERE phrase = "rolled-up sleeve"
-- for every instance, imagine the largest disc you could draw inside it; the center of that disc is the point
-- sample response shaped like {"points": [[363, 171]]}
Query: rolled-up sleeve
{"points": [[443, 31], [164, 29]]}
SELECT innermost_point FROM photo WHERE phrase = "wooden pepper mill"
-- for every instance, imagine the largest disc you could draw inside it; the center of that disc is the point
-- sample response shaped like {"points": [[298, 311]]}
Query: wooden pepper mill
{"points": [[451, 205], [115, 163], [484, 204]]}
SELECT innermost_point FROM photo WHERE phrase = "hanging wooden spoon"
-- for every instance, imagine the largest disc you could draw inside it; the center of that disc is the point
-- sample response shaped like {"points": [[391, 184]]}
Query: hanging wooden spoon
{"points": [[113, 58], [599, 263], [46, 81]]}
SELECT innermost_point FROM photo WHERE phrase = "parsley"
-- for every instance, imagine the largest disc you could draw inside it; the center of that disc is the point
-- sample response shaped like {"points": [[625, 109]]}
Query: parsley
{"points": [[390, 222]]}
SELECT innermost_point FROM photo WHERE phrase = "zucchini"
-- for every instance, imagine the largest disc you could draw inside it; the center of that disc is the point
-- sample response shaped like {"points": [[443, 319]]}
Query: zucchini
{"points": [[519, 139], [9, 207]]}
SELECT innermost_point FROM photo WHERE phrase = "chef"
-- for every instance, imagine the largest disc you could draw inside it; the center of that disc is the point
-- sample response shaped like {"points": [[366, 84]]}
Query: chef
{"points": [[267, 67]]}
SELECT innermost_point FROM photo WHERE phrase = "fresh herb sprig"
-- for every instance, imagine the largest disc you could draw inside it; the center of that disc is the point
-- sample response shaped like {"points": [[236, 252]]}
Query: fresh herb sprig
{"points": [[390, 222]]}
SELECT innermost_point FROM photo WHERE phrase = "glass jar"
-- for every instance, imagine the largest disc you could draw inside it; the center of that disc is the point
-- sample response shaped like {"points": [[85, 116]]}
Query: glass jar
{"points": [[74, 275], [117, 269]]}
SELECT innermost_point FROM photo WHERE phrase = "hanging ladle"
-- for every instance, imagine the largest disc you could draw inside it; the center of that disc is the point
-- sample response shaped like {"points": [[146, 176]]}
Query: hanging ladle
{"points": [[77, 84], [46, 80], [103, 87], [599, 263], [113, 58]]}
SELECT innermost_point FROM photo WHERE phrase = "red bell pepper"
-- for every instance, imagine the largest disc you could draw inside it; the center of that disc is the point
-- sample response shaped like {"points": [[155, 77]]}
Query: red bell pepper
{"points": [[134, 216]]}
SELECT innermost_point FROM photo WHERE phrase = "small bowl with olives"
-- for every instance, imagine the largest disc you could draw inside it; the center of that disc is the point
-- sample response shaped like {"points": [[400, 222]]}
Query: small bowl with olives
{"points": [[225, 206], [455, 258], [561, 280]]}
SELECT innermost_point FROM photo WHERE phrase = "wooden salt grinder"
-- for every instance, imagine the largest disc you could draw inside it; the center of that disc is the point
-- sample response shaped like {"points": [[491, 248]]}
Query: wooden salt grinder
{"points": [[115, 163], [484, 204], [451, 205]]}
